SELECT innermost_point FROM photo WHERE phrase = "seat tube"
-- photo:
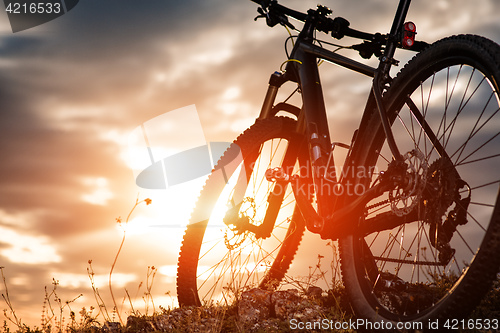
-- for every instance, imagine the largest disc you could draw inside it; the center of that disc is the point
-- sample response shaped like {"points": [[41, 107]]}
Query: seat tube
{"points": [[400, 16], [397, 24]]}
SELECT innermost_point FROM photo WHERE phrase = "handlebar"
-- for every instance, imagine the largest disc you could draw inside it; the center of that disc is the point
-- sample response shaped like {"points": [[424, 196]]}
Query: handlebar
{"points": [[338, 27]]}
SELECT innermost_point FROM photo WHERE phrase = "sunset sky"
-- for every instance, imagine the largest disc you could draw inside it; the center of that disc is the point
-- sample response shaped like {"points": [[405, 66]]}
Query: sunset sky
{"points": [[74, 89]]}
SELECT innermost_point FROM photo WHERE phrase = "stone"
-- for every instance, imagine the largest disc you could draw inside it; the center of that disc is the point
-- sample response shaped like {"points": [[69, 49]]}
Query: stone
{"points": [[254, 306], [314, 292], [285, 303]]}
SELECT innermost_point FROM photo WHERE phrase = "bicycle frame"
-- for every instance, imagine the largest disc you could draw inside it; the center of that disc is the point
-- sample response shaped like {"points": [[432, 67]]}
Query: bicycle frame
{"points": [[302, 68]]}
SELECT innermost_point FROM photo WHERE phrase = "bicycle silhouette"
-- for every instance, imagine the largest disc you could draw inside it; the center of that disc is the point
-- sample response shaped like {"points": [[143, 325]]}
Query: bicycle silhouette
{"points": [[415, 206]]}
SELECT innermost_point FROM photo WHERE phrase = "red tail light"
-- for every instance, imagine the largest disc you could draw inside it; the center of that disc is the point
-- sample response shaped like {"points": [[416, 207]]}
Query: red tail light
{"points": [[409, 32]]}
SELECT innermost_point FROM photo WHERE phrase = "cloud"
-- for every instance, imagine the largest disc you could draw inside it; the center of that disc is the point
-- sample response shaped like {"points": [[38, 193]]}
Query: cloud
{"points": [[18, 246], [100, 193], [73, 89], [72, 280]]}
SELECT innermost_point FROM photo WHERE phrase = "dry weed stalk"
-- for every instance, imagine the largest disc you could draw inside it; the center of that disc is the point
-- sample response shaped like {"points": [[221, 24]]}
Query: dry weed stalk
{"points": [[119, 221], [13, 317], [49, 315], [148, 297], [100, 302], [317, 274]]}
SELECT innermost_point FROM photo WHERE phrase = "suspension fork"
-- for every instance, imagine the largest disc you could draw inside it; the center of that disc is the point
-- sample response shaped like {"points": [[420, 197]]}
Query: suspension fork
{"points": [[275, 198], [312, 121], [269, 110], [275, 82]]}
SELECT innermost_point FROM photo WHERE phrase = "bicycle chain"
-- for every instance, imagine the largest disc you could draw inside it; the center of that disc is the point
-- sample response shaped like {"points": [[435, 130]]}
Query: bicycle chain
{"points": [[378, 204]]}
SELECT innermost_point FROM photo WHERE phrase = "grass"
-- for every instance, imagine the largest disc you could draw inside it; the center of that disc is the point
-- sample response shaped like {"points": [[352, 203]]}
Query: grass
{"points": [[59, 316]]}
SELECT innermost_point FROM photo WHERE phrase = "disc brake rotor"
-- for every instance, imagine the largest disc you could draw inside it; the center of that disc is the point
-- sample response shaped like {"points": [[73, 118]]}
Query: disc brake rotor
{"points": [[235, 234], [403, 199]]}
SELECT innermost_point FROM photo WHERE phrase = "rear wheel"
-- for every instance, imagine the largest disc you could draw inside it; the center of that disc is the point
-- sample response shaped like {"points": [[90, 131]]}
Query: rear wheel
{"points": [[429, 249], [225, 249]]}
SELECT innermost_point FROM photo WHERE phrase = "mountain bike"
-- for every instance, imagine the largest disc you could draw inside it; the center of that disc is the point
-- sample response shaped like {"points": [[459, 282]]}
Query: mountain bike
{"points": [[415, 206]]}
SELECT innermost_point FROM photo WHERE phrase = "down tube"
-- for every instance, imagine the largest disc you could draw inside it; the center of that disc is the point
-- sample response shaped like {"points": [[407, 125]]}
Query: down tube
{"points": [[316, 128]]}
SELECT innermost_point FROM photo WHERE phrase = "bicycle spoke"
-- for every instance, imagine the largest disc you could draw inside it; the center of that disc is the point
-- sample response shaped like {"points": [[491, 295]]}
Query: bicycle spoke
{"points": [[477, 160], [462, 105], [484, 144], [473, 131]]}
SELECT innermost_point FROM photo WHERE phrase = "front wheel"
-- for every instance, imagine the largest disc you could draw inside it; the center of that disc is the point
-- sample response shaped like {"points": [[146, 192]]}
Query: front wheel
{"points": [[228, 246], [429, 249]]}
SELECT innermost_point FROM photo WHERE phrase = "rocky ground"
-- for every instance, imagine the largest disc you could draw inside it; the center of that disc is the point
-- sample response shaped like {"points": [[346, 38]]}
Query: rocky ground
{"points": [[256, 311], [265, 311]]}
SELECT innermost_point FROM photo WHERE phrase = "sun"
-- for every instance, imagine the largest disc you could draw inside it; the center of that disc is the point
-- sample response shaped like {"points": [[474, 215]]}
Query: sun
{"points": [[169, 211]]}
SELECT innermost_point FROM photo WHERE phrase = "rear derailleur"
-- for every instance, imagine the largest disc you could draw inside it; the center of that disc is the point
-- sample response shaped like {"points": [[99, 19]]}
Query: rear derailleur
{"points": [[443, 190]]}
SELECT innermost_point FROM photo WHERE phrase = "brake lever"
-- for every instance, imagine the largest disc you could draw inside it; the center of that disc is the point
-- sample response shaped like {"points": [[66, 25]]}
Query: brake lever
{"points": [[273, 19], [262, 14]]}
